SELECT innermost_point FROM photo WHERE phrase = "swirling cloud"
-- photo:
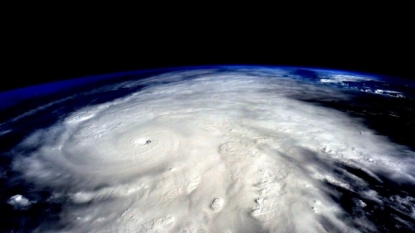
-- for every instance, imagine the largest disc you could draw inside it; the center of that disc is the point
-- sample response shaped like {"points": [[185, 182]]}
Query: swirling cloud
{"points": [[207, 151]]}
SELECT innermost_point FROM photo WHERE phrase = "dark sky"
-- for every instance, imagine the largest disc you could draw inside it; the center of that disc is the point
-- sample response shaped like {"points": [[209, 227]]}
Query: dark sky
{"points": [[39, 54], [39, 63]]}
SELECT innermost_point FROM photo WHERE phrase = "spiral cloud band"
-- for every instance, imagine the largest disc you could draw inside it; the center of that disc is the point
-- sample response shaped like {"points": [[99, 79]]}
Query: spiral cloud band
{"points": [[229, 152]]}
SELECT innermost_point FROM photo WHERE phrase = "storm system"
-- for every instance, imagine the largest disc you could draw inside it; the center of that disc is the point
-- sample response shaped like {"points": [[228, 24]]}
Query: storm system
{"points": [[237, 150]]}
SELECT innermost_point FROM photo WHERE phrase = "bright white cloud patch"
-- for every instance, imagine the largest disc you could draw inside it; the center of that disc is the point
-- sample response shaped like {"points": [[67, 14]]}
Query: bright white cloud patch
{"points": [[219, 153], [19, 201]]}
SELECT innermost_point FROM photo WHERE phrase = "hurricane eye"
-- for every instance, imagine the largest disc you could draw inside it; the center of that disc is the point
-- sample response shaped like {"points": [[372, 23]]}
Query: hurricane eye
{"points": [[142, 141]]}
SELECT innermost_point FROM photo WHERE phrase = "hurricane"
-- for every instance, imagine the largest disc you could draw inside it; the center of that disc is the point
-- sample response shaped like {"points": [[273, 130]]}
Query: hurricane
{"points": [[215, 150]]}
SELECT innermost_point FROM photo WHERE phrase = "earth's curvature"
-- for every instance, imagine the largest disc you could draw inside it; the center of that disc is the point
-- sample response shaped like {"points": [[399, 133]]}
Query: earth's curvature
{"points": [[210, 149]]}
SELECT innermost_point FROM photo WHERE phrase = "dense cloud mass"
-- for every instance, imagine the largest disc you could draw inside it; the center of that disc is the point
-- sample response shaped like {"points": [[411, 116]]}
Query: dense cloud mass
{"points": [[200, 151]]}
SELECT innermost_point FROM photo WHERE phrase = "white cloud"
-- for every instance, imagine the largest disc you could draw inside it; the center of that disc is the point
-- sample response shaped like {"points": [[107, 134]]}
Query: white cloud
{"points": [[227, 151]]}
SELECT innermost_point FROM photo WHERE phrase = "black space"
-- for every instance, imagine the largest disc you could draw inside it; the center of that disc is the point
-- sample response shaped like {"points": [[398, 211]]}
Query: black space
{"points": [[49, 46], [47, 64]]}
